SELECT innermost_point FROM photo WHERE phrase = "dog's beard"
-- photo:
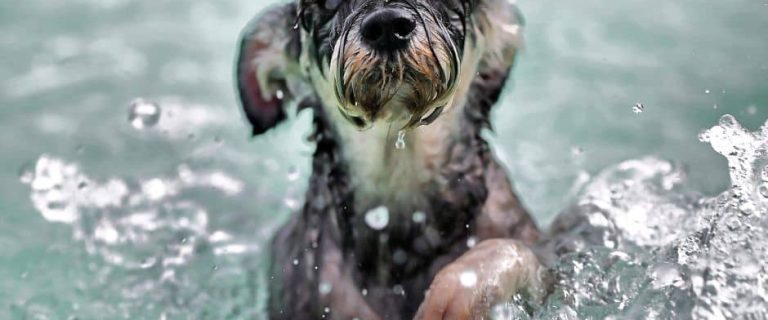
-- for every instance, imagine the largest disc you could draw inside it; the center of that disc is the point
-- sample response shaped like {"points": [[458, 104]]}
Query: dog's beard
{"points": [[412, 85]]}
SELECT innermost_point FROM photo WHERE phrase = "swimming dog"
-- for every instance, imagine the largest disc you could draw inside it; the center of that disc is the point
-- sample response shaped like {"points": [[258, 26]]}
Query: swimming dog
{"points": [[408, 213]]}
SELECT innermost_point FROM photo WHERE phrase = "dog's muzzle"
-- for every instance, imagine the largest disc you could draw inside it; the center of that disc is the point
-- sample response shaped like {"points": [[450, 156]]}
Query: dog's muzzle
{"points": [[394, 64]]}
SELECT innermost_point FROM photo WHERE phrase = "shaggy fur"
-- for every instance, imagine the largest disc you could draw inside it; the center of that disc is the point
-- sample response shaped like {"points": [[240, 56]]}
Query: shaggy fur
{"points": [[444, 192]]}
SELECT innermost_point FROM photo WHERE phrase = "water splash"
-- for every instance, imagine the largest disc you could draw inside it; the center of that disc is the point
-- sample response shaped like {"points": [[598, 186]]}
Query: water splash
{"points": [[151, 242], [639, 244], [127, 226], [638, 108]]}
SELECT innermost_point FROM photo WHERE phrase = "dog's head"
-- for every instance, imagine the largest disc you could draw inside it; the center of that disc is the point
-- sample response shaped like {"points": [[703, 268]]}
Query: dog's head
{"points": [[396, 61], [388, 60]]}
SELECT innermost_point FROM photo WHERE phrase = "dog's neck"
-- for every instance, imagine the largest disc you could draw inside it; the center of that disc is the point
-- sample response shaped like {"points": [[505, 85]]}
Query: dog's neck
{"points": [[384, 174]]}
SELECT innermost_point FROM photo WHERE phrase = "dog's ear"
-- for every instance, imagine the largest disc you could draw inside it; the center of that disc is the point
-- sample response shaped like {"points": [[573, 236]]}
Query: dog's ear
{"points": [[267, 66], [502, 26]]}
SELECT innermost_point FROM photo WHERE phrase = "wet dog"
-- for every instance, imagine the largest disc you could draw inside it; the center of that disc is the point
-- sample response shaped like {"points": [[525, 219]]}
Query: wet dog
{"points": [[408, 212]]}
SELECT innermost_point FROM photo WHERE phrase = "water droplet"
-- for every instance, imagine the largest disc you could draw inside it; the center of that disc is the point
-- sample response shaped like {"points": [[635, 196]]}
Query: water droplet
{"points": [[293, 173], [295, 262], [400, 257], [325, 288], [398, 290], [327, 310], [143, 114], [26, 176], [638, 108], [400, 143], [728, 121], [765, 173], [377, 218], [577, 151], [419, 217], [763, 189], [707, 91], [468, 279], [279, 95], [364, 292], [471, 242], [752, 110]]}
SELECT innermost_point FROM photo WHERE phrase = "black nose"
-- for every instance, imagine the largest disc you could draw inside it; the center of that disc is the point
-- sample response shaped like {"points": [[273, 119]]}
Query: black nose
{"points": [[387, 30]]}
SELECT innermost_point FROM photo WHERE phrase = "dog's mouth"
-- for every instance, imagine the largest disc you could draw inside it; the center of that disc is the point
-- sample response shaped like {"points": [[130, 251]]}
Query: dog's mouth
{"points": [[410, 78]]}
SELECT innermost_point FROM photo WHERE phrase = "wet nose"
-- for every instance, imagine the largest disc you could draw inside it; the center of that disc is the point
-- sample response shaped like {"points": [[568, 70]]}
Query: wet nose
{"points": [[387, 30]]}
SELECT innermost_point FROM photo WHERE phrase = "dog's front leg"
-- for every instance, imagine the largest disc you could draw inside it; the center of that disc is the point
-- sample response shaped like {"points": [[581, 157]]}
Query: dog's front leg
{"points": [[339, 293], [489, 274]]}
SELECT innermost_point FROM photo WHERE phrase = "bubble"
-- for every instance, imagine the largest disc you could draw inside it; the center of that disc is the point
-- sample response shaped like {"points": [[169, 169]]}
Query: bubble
{"points": [[325, 288], [419, 217], [26, 176], [377, 218], [763, 189], [728, 121], [398, 290], [400, 143], [638, 108], [765, 173], [471, 242], [400, 257], [143, 114], [468, 279]]}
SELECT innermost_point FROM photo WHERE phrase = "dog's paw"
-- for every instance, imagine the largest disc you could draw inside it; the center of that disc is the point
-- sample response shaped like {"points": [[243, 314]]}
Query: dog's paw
{"points": [[487, 275]]}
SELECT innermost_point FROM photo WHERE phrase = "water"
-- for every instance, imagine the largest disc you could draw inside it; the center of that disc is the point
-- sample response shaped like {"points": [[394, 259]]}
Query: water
{"points": [[400, 143], [101, 220], [643, 245]]}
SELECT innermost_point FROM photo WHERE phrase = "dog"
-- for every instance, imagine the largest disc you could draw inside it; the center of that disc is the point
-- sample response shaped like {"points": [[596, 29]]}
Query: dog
{"points": [[408, 213]]}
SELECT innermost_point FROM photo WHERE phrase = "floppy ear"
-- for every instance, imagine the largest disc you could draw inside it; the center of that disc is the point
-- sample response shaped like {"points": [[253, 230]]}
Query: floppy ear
{"points": [[502, 26], [267, 66]]}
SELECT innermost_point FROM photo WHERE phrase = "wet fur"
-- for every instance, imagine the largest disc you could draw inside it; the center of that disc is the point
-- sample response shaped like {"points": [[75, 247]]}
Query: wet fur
{"points": [[326, 256]]}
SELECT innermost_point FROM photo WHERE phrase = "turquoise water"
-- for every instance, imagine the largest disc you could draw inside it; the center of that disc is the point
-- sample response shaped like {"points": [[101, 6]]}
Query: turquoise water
{"points": [[212, 195]]}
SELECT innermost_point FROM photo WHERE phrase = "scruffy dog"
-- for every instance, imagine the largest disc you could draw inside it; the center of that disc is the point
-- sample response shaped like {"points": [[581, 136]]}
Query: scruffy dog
{"points": [[408, 213]]}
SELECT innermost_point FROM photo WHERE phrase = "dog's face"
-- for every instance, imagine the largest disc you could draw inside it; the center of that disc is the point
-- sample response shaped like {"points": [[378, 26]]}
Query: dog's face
{"points": [[395, 61], [398, 61]]}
